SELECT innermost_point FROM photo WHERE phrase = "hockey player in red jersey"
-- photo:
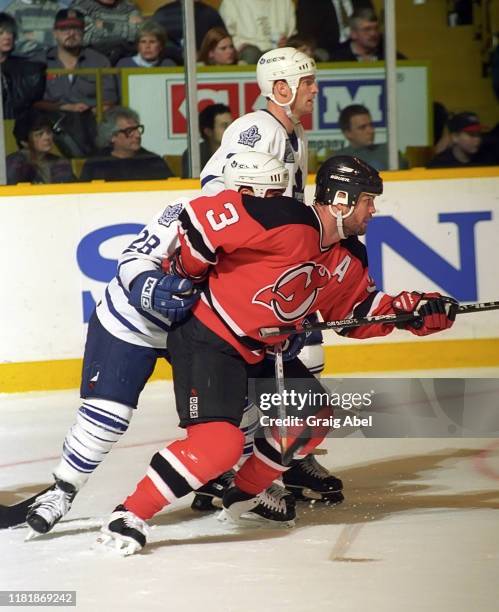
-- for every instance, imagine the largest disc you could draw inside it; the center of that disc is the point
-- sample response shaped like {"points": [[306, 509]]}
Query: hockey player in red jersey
{"points": [[262, 263], [286, 78]]}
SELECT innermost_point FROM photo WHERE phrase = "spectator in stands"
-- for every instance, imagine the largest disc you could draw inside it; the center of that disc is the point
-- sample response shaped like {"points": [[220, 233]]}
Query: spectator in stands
{"points": [[365, 43], [258, 26], [213, 121], [217, 48], [34, 20], [326, 22], [111, 26], [34, 162], [170, 17], [357, 127], [122, 157], [23, 81], [71, 99], [305, 45], [151, 43], [466, 137]]}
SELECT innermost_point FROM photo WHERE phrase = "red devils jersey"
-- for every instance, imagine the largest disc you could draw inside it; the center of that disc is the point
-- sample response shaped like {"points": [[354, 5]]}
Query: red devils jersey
{"points": [[265, 266]]}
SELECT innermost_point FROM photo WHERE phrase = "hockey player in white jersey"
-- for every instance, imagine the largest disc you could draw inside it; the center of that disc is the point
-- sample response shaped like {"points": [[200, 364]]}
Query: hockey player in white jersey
{"points": [[127, 335], [287, 79]]}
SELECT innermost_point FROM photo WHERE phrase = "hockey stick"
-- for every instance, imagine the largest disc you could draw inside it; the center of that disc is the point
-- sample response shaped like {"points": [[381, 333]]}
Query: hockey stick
{"points": [[12, 516], [268, 332], [281, 411]]}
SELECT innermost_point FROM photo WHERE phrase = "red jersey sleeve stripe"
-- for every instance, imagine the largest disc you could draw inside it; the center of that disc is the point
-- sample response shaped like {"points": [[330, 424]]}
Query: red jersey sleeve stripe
{"points": [[195, 237]]}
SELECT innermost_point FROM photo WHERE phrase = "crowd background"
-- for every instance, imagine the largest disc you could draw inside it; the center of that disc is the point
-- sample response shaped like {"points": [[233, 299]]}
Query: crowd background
{"points": [[62, 124]]}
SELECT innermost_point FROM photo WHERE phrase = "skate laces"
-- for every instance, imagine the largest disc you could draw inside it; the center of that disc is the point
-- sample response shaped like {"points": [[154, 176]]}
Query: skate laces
{"points": [[314, 468], [132, 521], [227, 477], [56, 503], [273, 498]]}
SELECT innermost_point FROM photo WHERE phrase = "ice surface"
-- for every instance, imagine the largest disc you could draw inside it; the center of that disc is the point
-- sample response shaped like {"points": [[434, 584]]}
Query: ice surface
{"points": [[419, 530]]}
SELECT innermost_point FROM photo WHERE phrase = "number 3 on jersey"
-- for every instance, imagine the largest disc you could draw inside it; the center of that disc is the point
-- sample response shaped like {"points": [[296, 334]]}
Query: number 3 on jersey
{"points": [[219, 221]]}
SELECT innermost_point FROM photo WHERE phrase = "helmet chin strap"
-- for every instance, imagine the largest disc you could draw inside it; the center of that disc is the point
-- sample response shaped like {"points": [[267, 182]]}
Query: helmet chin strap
{"points": [[287, 105], [339, 216]]}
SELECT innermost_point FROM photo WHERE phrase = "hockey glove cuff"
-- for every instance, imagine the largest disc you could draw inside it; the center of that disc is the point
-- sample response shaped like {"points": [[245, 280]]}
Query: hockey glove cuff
{"points": [[167, 294], [290, 347]]}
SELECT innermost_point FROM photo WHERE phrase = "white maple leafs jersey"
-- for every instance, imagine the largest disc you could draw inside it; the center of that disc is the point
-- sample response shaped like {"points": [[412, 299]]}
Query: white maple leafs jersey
{"points": [[260, 131], [157, 241]]}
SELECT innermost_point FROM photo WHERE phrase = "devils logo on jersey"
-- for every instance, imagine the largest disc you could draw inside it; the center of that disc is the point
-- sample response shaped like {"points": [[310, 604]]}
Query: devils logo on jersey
{"points": [[292, 295]]}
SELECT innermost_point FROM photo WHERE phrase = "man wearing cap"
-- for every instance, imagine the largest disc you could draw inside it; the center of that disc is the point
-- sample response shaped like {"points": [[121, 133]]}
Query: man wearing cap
{"points": [[466, 137], [71, 99]]}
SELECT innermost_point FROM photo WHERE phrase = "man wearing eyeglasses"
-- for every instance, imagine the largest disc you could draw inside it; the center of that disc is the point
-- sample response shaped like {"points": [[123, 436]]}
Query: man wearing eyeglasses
{"points": [[122, 157]]}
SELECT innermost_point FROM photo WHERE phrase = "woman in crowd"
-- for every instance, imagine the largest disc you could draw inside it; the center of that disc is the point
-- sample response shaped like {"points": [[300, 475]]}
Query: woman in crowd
{"points": [[34, 162], [151, 44], [217, 48]]}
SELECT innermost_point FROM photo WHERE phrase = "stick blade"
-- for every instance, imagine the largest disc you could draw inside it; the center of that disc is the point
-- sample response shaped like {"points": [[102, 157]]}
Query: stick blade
{"points": [[15, 515]]}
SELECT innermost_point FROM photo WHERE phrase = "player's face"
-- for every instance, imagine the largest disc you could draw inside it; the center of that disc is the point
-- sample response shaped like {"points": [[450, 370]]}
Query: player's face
{"points": [[361, 131], [270, 193], [273, 193], [305, 96], [149, 47], [356, 223]]}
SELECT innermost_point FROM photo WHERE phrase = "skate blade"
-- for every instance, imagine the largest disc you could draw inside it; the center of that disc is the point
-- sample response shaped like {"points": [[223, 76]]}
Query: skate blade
{"points": [[324, 500], [110, 544], [230, 519], [265, 522], [32, 535], [311, 495], [248, 519]]}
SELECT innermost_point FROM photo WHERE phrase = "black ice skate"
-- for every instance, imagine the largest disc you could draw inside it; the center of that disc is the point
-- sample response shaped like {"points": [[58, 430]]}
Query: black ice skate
{"points": [[209, 496], [308, 480], [51, 506], [275, 505], [125, 530]]}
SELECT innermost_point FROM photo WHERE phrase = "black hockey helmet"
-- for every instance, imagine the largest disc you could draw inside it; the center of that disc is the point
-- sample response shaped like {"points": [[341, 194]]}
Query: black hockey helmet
{"points": [[345, 174]]}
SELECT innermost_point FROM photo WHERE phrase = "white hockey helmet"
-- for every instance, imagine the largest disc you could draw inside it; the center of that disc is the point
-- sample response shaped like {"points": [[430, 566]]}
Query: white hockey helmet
{"points": [[260, 171], [283, 64]]}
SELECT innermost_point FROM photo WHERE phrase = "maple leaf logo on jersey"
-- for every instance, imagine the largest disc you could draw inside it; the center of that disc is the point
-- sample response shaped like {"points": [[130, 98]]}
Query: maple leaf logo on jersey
{"points": [[170, 214], [250, 136], [292, 295]]}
